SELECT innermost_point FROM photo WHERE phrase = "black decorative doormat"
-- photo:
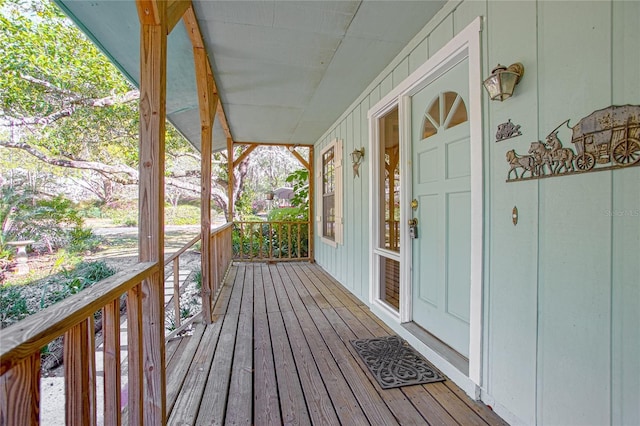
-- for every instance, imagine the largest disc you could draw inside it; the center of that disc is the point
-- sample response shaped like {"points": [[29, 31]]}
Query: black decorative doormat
{"points": [[394, 363]]}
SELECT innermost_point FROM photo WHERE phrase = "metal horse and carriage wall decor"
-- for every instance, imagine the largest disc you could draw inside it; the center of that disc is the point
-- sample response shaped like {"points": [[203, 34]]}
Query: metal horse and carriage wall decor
{"points": [[604, 140]]}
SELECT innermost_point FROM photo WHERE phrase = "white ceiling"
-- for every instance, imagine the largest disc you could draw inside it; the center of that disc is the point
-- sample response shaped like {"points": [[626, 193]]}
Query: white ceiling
{"points": [[285, 70]]}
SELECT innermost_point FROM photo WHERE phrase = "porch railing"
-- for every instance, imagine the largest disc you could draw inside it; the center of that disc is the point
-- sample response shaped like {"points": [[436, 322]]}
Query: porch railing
{"points": [[271, 241], [172, 266], [73, 318]]}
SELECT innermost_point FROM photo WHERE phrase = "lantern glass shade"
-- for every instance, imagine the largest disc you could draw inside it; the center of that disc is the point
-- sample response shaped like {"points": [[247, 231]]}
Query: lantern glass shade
{"points": [[502, 81]]}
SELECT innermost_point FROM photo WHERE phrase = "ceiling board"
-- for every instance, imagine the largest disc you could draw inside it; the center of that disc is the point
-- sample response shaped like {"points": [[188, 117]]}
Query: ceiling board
{"points": [[285, 70]]}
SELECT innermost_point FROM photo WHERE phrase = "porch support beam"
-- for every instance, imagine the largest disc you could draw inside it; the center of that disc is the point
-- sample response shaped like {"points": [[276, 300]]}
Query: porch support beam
{"points": [[231, 179], [285, 144], [244, 155], [301, 159], [175, 10], [193, 29], [153, 66], [208, 102], [311, 203]]}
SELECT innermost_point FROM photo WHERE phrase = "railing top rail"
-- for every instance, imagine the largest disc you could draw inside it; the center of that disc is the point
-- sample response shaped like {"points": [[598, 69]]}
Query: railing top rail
{"points": [[195, 239], [183, 249], [22, 339], [266, 222], [221, 228]]}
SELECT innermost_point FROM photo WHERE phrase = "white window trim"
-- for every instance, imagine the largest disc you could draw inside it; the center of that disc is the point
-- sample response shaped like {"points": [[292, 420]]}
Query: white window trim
{"points": [[339, 218], [464, 44]]}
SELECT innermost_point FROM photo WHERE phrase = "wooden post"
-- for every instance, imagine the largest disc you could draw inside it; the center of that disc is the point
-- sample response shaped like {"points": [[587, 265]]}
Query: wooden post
{"points": [[231, 177], [20, 393], [311, 203], [153, 75], [208, 102], [112, 381], [80, 372]]}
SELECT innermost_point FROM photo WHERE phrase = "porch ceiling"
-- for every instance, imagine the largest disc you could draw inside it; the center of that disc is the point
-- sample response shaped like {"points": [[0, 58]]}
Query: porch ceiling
{"points": [[285, 70]]}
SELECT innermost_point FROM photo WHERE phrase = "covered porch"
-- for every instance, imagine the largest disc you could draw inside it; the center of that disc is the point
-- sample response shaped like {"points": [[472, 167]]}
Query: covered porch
{"points": [[278, 352]]}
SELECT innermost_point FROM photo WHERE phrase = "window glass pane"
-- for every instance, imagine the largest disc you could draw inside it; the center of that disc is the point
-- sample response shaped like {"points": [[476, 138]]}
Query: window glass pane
{"points": [[328, 214], [390, 181], [328, 194]]}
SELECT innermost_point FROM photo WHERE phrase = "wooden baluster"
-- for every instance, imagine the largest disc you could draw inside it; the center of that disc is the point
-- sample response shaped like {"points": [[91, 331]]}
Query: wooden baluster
{"points": [[112, 381], [80, 372], [134, 358], [289, 238], [279, 240], [250, 240], [270, 241], [299, 248], [20, 393], [176, 290]]}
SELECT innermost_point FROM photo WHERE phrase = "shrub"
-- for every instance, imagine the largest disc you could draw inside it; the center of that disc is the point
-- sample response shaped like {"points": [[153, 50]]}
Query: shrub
{"points": [[19, 301], [13, 305]]}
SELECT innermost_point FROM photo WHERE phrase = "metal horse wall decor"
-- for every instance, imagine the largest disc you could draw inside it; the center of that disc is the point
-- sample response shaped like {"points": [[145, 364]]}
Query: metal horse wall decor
{"points": [[606, 139]]}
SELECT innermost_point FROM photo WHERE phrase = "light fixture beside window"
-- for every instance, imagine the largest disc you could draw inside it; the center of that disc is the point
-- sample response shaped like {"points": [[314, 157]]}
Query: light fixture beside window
{"points": [[356, 158], [502, 81]]}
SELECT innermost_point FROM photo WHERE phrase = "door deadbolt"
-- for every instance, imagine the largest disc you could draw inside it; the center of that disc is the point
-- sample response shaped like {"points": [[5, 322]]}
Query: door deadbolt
{"points": [[414, 204]]}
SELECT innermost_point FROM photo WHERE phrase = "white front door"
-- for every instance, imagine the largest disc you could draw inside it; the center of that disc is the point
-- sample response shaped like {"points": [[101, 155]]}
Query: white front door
{"points": [[441, 169]]}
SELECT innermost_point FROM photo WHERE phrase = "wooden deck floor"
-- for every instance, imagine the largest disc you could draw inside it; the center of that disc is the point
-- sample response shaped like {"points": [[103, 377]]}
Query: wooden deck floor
{"points": [[279, 353]]}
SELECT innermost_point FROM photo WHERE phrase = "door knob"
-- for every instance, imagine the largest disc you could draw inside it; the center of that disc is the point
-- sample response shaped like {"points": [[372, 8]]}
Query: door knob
{"points": [[413, 222]]}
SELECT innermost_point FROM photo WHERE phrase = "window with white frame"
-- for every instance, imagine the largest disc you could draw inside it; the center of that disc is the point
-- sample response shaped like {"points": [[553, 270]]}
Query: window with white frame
{"points": [[330, 183]]}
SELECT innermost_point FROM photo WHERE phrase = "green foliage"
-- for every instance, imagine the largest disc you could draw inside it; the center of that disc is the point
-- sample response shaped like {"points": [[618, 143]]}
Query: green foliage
{"points": [[13, 305], [285, 235], [300, 180], [122, 215], [49, 66], [243, 206], [19, 301], [197, 277], [184, 214], [71, 281], [83, 240], [50, 222]]}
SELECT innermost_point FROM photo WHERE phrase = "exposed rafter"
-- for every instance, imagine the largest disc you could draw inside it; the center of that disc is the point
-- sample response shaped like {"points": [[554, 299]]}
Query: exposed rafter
{"points": [[244, 155], [148, 12], [175, 10], [193, 29]]}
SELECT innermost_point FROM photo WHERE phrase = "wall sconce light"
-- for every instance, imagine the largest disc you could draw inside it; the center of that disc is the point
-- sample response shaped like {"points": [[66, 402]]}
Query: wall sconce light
{"points": [[356, 158], [503, 80]]}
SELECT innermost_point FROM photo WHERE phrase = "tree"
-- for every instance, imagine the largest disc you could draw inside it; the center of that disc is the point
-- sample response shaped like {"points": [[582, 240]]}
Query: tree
{"points": [[65, 104]]}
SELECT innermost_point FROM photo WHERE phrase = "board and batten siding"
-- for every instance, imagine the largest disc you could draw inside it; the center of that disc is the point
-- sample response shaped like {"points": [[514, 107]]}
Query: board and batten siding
{"points": [[561, 308]]}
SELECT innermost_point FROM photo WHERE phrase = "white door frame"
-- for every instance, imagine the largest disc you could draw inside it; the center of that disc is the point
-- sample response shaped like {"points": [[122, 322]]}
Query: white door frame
{"points": [[465, 44]]}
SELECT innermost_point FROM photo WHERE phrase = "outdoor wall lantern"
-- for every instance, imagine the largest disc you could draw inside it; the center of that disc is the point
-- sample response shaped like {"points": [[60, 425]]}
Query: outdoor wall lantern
{"points": [[503, 80], [356, 158]]}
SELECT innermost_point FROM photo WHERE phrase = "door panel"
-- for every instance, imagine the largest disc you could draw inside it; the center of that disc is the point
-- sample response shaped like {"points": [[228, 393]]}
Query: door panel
{"points": [[441, 255]]}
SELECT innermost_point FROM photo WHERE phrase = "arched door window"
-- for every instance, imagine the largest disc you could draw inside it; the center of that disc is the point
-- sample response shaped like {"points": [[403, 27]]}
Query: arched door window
{"points": [[445, 111]]}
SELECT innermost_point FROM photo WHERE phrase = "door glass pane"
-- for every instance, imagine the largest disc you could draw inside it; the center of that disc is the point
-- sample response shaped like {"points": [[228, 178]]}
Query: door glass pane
{"points": [[390, 181], [390, 281]]}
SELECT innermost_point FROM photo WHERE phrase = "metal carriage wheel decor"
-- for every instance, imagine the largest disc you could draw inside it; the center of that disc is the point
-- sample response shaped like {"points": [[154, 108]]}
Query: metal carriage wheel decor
{"points": [[606, 139]]}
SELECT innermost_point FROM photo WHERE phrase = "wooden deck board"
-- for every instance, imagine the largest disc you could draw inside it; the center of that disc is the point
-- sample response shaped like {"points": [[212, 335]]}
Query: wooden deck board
{"points": [[279, 352]]}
